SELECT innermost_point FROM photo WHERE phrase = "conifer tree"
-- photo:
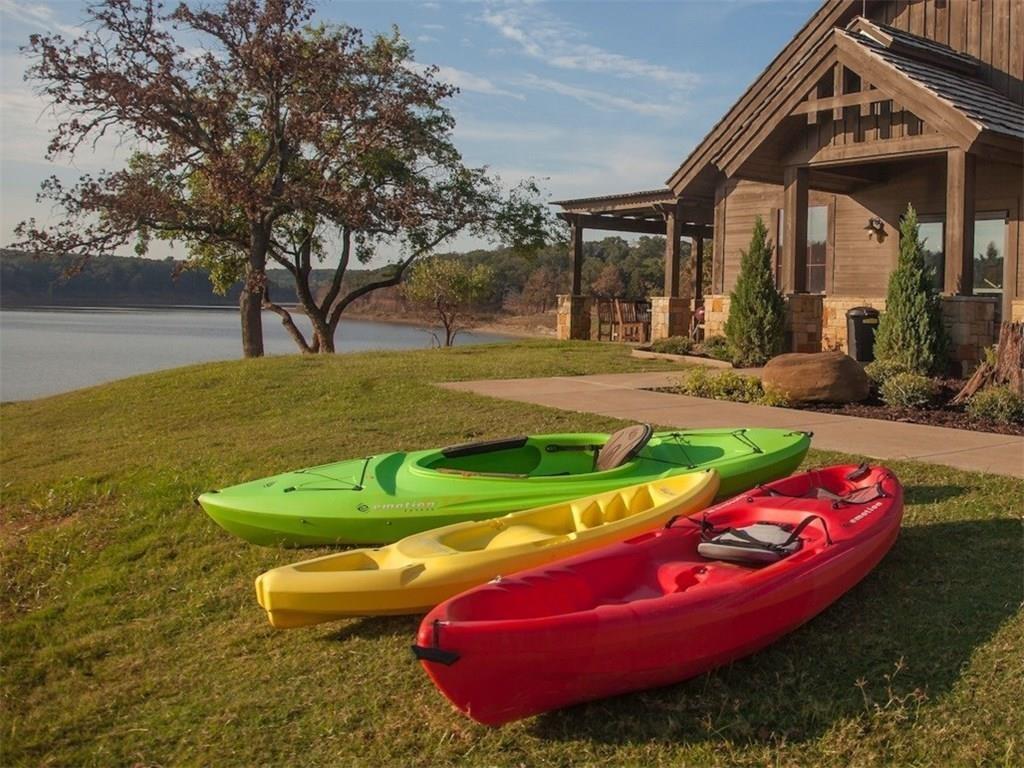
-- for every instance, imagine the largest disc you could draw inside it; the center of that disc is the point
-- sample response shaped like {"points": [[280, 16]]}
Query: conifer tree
{"points": [[910, 332], [757, 311]]}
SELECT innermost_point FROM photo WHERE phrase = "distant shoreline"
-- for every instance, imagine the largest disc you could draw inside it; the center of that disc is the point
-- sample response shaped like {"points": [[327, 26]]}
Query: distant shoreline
{"points": [[495, 325]]}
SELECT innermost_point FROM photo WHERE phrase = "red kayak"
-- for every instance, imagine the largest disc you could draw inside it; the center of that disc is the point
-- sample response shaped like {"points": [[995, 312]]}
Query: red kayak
{"points": [[665, 606]]}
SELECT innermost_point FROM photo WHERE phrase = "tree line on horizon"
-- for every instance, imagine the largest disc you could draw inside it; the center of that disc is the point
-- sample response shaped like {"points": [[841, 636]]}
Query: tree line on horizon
{"points": [[521, 283]]}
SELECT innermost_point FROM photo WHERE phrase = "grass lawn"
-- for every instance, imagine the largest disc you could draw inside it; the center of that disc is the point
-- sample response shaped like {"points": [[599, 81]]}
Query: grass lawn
{"points": [[131, 635]]}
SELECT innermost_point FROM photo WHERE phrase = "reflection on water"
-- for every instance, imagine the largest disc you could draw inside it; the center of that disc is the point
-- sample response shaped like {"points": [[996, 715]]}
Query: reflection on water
{"points": [[43, 352]]}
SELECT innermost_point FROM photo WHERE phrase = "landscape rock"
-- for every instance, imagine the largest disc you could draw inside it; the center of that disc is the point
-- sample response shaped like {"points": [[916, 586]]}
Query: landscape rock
{"points": [[817, 377]]}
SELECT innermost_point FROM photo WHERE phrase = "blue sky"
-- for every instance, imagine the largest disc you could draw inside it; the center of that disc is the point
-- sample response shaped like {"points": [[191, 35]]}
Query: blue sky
{"points": [[590, 97]]}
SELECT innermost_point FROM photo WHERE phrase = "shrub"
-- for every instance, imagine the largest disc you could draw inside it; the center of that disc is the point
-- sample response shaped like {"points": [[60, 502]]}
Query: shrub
{"points": [[673, 345], [907, 390], [880, 370], [728, 385], [774, 397], [910, 331], [999, 404], [716, 347], [757, 311]]}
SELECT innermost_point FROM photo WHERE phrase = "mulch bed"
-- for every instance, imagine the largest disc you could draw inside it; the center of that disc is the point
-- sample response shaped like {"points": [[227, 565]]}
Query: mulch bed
{"points": [[938, 416]]}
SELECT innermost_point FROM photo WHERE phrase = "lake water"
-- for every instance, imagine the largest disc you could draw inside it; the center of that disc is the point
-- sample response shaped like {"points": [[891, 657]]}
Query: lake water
{"points": [[43, 352]]}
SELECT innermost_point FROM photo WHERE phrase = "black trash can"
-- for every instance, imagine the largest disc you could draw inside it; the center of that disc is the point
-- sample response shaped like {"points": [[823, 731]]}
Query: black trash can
{"points": [[861, 324]]}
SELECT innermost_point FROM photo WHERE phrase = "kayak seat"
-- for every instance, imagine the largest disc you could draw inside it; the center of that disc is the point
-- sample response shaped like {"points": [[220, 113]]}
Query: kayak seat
{"points": [[622, 446], [755, 544]]}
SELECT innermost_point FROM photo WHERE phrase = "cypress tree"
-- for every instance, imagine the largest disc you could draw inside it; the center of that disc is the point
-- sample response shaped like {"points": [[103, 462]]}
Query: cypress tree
{"points": [[757, 311], [910, 332]]}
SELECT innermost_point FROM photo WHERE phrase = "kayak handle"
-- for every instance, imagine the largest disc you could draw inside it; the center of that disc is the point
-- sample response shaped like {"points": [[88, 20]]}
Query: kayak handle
{"points": [[439, 655]]}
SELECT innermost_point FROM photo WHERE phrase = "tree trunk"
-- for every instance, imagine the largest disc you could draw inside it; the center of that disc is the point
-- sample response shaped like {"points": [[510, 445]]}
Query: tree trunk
{"points": [[1008, 369], [251, 300]]}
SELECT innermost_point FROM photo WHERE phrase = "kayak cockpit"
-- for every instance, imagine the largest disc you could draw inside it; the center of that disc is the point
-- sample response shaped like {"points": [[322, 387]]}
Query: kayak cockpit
{"points": [[545, 456]]}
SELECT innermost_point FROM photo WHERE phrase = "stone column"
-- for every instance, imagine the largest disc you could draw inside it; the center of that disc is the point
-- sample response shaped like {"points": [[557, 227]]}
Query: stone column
{"points": [[971, 325], [670, 316], [803, 322], [573, 317]]}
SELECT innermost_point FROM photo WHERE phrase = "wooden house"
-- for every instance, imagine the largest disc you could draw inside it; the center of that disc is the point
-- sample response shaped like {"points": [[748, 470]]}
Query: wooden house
{"points": [[871, 106]]}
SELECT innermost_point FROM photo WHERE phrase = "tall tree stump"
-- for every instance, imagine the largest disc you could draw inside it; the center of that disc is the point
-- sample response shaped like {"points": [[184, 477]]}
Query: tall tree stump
{"points": [[1008, 369]]}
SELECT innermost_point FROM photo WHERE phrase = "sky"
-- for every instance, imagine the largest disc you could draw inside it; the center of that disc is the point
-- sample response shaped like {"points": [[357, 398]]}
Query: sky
{"points": [[590, 97]]}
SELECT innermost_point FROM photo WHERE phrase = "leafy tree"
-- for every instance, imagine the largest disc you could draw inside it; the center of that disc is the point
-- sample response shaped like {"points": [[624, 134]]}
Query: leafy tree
{"points": [[757, 311], [609, 282], [541, 288], [910, 331], [265, 137], [449, 287]]}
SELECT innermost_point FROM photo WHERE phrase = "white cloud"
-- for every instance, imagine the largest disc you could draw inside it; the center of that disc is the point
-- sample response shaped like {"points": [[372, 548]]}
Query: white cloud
{"points": [[37, 15], [426, 39], [607, 102], [434, 27], [467, 81], [542, 36], [471, 130]]}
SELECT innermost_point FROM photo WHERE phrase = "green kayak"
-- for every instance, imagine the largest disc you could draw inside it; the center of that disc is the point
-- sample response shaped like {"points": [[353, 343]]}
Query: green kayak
{"points": [[383, 498]]}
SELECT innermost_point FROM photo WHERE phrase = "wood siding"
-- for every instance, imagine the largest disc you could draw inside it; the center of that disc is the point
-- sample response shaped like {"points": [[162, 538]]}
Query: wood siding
{"points": [[859, 265], [990, 30]]}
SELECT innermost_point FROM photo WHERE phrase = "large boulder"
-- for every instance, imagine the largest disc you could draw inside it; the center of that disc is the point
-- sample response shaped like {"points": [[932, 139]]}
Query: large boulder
{"points": [[817, 377]]}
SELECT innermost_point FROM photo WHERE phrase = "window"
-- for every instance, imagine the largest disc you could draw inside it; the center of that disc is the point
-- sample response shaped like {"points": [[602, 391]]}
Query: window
{"points": [[932, 234], [817, 247], [989, 252]]}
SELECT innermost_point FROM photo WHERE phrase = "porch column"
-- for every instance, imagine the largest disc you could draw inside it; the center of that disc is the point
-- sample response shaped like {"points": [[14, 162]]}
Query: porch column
{"points": [[673, 250], [670, 314], [576, 254], [794, 240], [573, 312], [698, 267], [959, 222]]}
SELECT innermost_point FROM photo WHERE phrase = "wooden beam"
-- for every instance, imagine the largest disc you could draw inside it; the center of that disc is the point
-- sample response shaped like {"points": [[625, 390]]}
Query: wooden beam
{"points": [[838, 84], [872, 151], [673, 251], [698, 267], [832, 102], [960, 187], [619, 224], [576, 254], [794, 239]]}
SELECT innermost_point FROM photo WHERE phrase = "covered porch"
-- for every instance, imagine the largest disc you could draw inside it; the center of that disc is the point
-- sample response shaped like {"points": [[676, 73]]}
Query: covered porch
{"points": [[649, 212]]}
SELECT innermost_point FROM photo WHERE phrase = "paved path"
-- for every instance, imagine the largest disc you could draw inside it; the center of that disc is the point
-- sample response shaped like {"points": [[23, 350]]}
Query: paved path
{"points": [[622, 395]]}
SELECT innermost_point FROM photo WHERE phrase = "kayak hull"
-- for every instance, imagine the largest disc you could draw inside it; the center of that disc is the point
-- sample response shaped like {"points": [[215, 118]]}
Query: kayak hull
{"points": [[384, 498], [418, 572], [647, 612]]}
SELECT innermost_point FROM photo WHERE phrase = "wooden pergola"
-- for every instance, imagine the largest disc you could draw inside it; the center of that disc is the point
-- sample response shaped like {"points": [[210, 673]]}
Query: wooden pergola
{"points": [[649, 212]]}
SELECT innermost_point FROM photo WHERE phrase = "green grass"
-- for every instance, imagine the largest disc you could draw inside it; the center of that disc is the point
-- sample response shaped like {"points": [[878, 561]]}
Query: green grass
{"points": [[130, 632]]}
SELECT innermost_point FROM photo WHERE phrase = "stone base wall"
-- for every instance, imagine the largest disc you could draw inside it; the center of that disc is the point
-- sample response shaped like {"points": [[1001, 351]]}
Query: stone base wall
{"points": [[670, 316], [815, 323], [803, 322], [573, 317], [971, 324], [716, 312], [1017, 311], [833, 323]]}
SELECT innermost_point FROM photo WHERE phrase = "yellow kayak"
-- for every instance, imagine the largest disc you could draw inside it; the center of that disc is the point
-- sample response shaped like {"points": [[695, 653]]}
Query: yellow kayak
{"points": [[418, 572]]}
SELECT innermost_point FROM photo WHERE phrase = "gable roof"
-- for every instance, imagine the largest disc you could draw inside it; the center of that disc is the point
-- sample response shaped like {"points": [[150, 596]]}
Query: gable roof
{"points": [[766, 86], [977, 100], [932, 79]]}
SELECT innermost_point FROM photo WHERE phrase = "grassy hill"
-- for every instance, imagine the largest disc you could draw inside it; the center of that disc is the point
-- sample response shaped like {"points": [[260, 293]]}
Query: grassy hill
{"points": [[130, 632]]}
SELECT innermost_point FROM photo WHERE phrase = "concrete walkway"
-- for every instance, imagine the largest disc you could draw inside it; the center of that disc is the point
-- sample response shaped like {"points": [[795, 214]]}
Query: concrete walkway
{"points": [[622, 395]]}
